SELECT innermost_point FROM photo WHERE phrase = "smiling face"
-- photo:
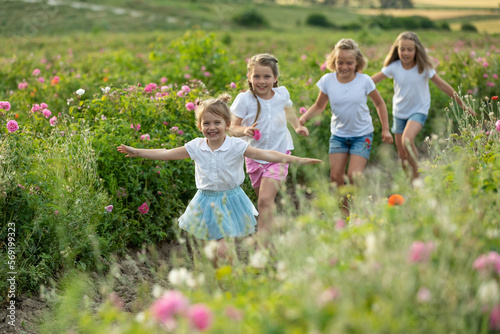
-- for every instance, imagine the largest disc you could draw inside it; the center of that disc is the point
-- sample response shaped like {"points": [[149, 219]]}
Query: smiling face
{"points": [[345, 64], [214, 128], [407, 52], [262, 80]]}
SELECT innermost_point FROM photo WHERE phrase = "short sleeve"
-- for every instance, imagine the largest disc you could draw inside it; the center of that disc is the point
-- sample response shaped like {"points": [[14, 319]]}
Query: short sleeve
{"points": [[321, 84], [239, 106], [430, 73], [388, 71], [192, 148], [370, 85], [240, 146], [286, 96]]}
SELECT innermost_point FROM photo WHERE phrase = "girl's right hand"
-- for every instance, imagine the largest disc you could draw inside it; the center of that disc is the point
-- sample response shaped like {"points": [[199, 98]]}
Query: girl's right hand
{"points": [[128, 150], [250, 130]]}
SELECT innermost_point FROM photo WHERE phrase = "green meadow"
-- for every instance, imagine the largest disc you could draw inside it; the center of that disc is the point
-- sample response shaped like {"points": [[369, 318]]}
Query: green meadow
{"points": [[80, 77]]}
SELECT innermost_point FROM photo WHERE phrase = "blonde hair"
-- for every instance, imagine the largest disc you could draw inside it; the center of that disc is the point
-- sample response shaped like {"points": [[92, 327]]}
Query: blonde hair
{"points": [[350, 45], [263, 59], [217, 106], [421, 57]]}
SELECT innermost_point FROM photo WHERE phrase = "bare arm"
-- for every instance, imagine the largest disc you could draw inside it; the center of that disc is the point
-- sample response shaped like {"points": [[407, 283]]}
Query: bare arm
{"points": [[446, 88], [382, 114], [274, 156], [239, 131], [178, 153], [291, 117], [316, 109], [378, 77]]}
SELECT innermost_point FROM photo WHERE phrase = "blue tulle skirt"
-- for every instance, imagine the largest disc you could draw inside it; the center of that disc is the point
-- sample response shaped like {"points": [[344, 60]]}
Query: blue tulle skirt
{"points": [[212, 215]]}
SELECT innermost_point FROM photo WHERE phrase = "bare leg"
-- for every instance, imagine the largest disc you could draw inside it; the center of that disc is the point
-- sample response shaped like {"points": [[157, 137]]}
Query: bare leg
{"points": [[266, 194], [407, 150], [338, 163]]}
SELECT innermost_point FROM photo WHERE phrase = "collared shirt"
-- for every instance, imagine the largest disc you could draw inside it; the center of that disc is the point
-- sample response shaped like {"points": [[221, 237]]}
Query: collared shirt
{"points": [[221, 169], [271, 123]]}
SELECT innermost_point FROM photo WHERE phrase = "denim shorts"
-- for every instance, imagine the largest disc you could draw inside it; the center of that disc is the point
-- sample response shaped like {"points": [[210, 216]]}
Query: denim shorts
{"points": [[398, 124], [352, 145]]}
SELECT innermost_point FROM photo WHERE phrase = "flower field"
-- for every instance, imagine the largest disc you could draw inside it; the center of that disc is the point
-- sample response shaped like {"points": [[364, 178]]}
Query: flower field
{"points": [[94, 234]]}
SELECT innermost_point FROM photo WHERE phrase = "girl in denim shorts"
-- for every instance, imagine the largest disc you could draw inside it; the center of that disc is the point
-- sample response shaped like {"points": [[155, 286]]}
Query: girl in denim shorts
{"points": [[411, 68], [351, 126]]}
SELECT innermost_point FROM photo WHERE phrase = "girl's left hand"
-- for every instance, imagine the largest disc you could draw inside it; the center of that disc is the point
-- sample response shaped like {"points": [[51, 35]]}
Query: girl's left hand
{"points": [[387, 137], [128, 150], [302, 130]]}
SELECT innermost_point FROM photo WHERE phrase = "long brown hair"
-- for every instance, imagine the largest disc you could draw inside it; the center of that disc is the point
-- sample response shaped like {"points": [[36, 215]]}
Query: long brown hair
{"points": [[421, 57], [263, 59]]}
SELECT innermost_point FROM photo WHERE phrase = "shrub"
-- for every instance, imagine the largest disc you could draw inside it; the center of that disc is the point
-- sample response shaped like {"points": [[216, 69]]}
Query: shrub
{"points": [[318, 20], [468, 27], [250, 18]]}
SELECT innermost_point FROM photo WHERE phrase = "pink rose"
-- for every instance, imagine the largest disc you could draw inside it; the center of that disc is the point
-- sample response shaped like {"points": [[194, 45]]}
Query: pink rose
{"points": [[5, 105], [46, 113], [200, 317], [53, 121], [12, 126], [257, 135], [144, 208], [421, 251], [170, 304], [190, 106]]}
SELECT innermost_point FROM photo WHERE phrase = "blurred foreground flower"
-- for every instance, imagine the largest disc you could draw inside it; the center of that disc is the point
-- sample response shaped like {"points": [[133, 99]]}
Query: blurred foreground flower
{"points": [[200, 317], [80, 92], [5, 105], [421, 251]]}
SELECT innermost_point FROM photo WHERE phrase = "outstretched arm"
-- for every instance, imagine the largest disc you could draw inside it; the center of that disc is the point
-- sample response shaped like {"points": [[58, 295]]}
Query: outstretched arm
{"points": [[446, 88], [382, 114], [239, 131], [178, 153], [378, 77], [274, 156], [316, 109], [291, 117]]}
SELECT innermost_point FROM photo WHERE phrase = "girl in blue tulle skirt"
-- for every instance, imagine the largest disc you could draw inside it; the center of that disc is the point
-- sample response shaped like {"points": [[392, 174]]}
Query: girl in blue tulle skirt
{"points": [[220, 208]]}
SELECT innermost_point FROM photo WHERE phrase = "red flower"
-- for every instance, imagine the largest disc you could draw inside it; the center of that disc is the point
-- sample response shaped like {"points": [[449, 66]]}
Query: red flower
{"points": [[494, 98]]}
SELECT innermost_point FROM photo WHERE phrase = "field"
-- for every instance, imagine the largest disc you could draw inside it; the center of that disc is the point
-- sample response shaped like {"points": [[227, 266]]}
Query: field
{"points": [[89, 239], [458, 3]]}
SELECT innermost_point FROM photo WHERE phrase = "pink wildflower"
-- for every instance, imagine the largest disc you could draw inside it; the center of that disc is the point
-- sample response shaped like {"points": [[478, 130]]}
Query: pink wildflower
{"points": [[174, 129], [424, 295], [170, 304], [180, 132], [163, 80], [302, 110], [150, 87], [43, 105], [257, 135], [495, 318], [22, 85], [487, 262], [498, 125], [144, 208], [53, 121], [187, 76], [495, 76], [323, 66], [41, 80], [5, 105], [421, 251], [181, 93], [12, 126], [206, 74], [234, 313], [340, 224], [190, 106], [489, 83], [46, 113], [55, 80], [200, 317], [146, 136], [186, 89], [303, 57], [232, 85], [36, 72]]}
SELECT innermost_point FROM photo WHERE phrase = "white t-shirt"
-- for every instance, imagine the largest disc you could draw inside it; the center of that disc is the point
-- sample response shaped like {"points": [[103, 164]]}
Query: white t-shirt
{"points": [[221, 169], [271, 123], [411, 89], [350, 114]]}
